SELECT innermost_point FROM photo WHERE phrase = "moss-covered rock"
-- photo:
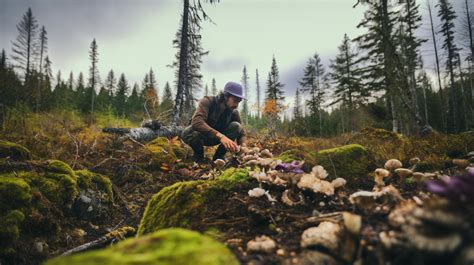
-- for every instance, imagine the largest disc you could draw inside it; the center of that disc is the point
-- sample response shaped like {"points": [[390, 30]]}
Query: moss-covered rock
{"points": [[15, 193], [89, 180], [183, 204], [166, 151], [9, 229], [168, 246], [13, 151], [349, 161], [382, 144]]}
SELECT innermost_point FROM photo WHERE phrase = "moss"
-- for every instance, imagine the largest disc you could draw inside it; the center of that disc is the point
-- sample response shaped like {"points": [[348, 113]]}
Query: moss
{"points": [[169, 246], [183, 204], [291, 155], [56, 166], [349, 161], [383, 144], [14, 151], [14, 193], [90, 180], [165, 151], [10, 229]]}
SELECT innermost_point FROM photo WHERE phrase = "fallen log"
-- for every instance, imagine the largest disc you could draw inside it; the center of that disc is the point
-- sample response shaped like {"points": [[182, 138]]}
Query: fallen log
{"points": [[148, 131]]}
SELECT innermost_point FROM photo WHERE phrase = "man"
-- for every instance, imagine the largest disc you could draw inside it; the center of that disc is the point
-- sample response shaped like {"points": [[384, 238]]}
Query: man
{"points": [[216, 121]]}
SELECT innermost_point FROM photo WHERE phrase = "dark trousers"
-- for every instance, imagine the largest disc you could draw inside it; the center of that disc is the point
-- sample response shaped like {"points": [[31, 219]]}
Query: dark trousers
{"points": [[198, 140]]}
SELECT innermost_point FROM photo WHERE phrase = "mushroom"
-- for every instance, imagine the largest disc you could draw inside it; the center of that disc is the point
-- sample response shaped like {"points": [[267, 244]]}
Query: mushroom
{"points": [[259, 176], [380, 174], [247, 158], [419, 177], [310, 182], [403, 173], [392, 164], [266, 153], [461, 163], [367, 199], [285, 198], [338, 182], [256, 192], [261, 244], [219, 163], [326, 234], [319, 172], [388, 239], [414, 162]]}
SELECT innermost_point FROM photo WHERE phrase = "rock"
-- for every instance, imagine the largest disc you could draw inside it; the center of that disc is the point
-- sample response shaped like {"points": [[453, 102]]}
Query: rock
{"points": [[85, 199], [14, 151], [350, 162], [168, 246], [184, 204], [326, 234]]}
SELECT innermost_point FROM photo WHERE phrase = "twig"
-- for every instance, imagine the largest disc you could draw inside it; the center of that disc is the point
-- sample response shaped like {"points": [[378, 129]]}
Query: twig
{"points": [[332, 164], [101, 163], [108, 238]]}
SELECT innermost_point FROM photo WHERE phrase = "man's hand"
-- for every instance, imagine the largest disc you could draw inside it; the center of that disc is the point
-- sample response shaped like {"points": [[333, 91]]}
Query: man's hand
{"points": [[228, 143]]}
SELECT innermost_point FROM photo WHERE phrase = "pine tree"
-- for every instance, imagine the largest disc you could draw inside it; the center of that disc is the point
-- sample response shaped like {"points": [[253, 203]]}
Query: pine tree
{"points": [[467, 32], [345, 75], [245, 85], [9, 82], [206, 90], [26, 43], [134, 101], [167, 102], [111, 83], [153, 84], [314, 83], [104, 99], [3, 61], [149, 97], [121, 96], [214, 87], [274, 98], [379, 72], [93, 73], [447, 16], [258, 93]]}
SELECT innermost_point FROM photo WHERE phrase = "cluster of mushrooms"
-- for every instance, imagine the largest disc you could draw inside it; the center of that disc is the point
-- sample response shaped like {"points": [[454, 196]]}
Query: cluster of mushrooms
{"points": [[416, 223], [272, 171]]}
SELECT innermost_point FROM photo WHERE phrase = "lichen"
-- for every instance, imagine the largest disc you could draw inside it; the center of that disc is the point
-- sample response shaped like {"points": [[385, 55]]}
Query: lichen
{"points": [[13, 151], [349, 162], [183, 204], [168, 246]]}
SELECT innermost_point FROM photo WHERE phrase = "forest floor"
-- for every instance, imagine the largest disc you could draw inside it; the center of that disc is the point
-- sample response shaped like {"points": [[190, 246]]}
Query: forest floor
{"points": [[137, 174]]}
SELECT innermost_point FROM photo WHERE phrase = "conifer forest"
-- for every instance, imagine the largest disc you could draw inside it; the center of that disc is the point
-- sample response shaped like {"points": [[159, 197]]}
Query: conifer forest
{"points": [[237, 132]]}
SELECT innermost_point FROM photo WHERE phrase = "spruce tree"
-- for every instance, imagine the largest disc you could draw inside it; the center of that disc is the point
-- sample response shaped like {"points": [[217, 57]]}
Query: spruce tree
{"points": [[167, 102], [26, 44], [111, 83], [121, 96], [447, 16], [274, 98], [213, 87], [93, 73], [134, 102]]}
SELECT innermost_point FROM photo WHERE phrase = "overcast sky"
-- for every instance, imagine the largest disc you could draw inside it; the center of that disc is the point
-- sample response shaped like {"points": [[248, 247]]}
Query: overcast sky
{"points": [[133, 36]]}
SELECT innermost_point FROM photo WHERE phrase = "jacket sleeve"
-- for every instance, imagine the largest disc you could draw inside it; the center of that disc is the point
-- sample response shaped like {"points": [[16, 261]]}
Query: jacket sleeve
{"points": [[236, 117], [198, 122]]}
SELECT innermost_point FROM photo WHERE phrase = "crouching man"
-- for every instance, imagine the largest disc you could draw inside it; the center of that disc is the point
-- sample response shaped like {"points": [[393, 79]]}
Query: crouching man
{"points": [[216, 121]]}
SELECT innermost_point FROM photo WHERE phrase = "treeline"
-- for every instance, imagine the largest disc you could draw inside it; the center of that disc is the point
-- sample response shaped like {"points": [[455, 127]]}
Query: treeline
{"points": [[27, 80]]}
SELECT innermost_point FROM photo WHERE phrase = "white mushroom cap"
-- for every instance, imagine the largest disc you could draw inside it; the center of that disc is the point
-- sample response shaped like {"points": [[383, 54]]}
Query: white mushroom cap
{"points": [[261, 244], [392, 164], [256, 192], [380, 174], [326, 234], [219, 163], [338, 182], [266, 153], [319, 172], [403, 172]]}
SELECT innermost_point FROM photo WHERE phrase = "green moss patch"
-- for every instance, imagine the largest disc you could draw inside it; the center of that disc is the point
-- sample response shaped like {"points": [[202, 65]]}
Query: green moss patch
{"points": [[350, 161], [186, 203], [14, 151], [168, 246], [166, 151], [90, 180]]}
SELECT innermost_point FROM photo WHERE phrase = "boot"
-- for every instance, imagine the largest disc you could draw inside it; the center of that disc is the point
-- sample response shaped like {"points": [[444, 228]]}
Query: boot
{"points": [[220, 153]]}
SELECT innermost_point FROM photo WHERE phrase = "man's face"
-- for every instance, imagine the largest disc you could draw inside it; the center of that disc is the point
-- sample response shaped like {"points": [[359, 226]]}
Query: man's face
{"points": [[233, 102]]}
